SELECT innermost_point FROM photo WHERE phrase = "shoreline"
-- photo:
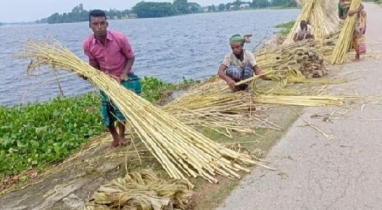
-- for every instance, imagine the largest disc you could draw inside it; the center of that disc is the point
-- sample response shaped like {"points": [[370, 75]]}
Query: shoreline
{"points": [[252, 9]]}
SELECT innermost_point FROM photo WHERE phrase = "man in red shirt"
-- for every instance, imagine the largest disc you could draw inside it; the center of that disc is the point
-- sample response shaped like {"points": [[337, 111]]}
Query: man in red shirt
{"points": [[110, 52]]}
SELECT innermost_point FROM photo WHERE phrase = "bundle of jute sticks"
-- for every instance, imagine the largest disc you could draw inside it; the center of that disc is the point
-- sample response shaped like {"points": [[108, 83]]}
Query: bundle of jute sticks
{"points": [[346, 36], [321, 15]]}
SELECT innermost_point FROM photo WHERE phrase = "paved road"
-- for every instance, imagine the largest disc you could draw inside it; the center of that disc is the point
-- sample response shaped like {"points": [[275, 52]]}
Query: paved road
{"points": [[317, 173]]}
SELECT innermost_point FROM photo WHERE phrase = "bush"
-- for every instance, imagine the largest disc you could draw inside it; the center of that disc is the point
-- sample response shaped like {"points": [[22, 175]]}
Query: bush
{"points": [[37, 134]]}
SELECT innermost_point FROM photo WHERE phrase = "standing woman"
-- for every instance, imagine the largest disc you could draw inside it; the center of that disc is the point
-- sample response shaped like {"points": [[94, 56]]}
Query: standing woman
{"points": [[360, 28]]}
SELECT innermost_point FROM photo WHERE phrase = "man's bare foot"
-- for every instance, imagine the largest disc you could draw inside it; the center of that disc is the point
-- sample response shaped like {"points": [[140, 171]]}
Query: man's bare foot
{"points": [[123, 141], [357, 58], [119, 141], [114, 144]]}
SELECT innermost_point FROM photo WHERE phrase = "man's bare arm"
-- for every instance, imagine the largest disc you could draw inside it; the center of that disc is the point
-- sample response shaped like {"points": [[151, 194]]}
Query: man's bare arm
{"points": [[295, 37], [360, 8], [129, 65], [341, 16], [94, 64], [352, 12], [257, 70], [222, 74]]}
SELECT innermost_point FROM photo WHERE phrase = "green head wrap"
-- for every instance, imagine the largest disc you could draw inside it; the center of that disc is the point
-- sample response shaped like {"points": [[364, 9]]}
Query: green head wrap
{"points": [[236, 39]]}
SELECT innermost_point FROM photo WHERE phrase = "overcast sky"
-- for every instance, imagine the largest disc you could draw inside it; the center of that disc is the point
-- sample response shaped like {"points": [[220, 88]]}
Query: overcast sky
{"points": [[30, 10]]}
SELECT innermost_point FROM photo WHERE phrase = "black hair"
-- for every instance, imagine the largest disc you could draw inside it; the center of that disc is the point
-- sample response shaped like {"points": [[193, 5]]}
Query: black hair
{"points": [[97, 13]]}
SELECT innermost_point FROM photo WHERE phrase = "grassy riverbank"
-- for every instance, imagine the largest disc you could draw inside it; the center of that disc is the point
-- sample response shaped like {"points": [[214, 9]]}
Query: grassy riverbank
{"points": [[286, 27], [37, 134]]}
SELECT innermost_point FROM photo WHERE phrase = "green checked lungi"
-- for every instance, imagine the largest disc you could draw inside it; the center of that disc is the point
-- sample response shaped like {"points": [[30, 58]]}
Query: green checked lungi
{"points": [[110, 112]]}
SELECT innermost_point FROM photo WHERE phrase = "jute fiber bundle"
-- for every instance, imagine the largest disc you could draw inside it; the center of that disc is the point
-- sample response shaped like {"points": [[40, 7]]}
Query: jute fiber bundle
{"points": [[277, 94], [316, 20], [305, 59], [221, 111], [330, 7], [181, 150], [306, 10], [312, 101], [212, 105], [346, 36], [307, 56], [324, 47], [143, 191], [295, 100], [331, 11], [321, 15]]}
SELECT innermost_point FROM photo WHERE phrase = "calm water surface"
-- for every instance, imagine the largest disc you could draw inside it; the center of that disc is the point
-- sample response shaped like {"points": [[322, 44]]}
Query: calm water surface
{"points": [[168, 48]]}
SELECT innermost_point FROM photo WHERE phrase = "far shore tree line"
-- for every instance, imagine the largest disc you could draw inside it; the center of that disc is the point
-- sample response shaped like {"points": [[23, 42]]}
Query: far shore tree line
{"points": [[164, 9]]}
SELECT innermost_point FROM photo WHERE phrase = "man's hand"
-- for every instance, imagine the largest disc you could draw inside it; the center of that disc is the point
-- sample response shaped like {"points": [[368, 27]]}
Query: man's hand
{"points": [[257, 70], [114, 77], [231, 84], [352, 12], [124, 77]]}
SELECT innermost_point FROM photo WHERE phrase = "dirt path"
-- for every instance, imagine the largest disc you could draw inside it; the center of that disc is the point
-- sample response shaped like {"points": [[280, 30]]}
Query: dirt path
{"points": [[317, 173]]}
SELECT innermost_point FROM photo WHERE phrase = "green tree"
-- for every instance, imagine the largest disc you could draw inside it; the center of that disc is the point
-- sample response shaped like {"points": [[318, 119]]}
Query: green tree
{"points": [[213, 8], [55, 18], [237, 3], [79, 14], [262, 3], [254, 4], [181, 6], [228, 6], [194, 7], [221, 7], [154, 9], [279, 2], [291, 3]]}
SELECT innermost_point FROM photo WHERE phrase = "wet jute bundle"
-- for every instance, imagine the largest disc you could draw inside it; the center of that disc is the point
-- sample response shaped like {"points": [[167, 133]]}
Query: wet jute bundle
{"points": [[346, 36], [180, 149], [321, 15], [141, 191], [307, 56]]}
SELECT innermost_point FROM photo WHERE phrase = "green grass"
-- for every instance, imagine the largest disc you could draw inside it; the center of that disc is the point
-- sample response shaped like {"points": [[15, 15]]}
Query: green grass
{"points": [[286, 27], [37, 134]]}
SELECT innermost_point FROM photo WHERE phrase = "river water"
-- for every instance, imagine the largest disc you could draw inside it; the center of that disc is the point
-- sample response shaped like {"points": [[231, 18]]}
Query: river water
{"points": [[167, 48]]}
